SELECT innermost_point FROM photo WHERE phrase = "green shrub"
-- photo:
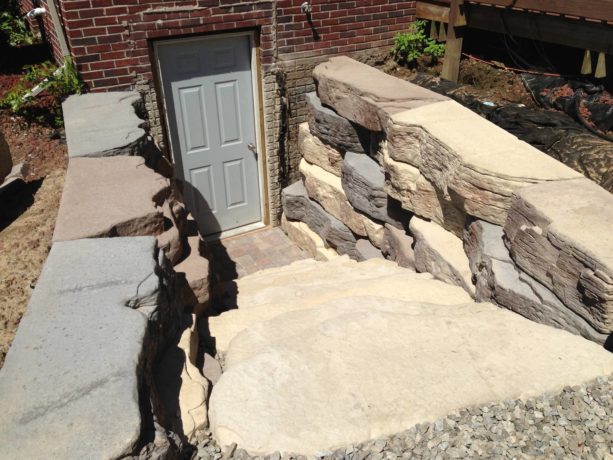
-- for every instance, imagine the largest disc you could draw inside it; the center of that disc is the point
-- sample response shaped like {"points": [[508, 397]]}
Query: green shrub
{"points": [[411, 45], [15, 30], [434, 49], [67, 82], [13, 99], [57, 83]]}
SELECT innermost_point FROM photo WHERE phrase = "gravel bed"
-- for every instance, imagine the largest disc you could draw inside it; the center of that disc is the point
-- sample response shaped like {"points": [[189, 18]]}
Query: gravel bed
{"points": [[576, 423]]}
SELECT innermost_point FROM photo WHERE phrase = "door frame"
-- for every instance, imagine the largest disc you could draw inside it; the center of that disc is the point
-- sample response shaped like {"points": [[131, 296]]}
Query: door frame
{"points": [[258, 120]]}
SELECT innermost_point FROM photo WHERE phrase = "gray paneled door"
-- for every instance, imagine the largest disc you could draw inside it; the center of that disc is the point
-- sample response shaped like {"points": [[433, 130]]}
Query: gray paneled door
{"points": [[208, 91]]}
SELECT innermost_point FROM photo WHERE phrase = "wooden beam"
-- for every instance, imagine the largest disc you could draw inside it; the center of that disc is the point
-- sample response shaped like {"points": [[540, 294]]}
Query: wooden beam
{"points": [[586, 67], [550, 29], [442, 32], [601, 66], [432, 12], [453, 47], [436, 12], [601, 10], [433, 30]]}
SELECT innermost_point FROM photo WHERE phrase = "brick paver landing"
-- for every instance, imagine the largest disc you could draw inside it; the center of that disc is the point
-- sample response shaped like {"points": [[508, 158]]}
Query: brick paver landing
{"points": [[244, 254]]}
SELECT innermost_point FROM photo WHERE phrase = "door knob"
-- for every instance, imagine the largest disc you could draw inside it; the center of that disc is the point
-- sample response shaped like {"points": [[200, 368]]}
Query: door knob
{"points": [[253, 149]]}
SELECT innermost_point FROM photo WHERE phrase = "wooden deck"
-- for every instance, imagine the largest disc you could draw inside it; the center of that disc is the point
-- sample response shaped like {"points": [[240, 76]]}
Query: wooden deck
{"points": [[583, 24], [591, 10]]}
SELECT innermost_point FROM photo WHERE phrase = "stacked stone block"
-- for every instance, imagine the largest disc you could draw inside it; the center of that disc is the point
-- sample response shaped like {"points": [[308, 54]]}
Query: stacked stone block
{"points": [[101, 312], [104, 362], [111, 190], [438, 189]]}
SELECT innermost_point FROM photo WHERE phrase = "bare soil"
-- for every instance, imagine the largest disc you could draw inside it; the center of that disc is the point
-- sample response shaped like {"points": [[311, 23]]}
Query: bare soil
{"points": [[24, 246], [481, 80], [28, 211]]}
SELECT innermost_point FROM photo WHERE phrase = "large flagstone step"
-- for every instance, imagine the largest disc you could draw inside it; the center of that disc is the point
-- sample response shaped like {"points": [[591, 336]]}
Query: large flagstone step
{"points": [[361, 367], [326, 282], [321, 355]]}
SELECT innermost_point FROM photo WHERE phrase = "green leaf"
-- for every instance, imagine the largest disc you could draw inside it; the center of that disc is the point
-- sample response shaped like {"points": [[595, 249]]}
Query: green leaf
{"points": [[411, 45]]}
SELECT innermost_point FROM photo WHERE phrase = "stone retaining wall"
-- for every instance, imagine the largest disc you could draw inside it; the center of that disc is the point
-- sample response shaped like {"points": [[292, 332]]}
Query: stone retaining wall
{"points": [[393, 170], [103, 362]]}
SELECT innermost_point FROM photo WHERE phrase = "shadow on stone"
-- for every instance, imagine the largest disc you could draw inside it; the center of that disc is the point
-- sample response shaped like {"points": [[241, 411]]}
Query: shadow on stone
{"points": [[223, 272]]}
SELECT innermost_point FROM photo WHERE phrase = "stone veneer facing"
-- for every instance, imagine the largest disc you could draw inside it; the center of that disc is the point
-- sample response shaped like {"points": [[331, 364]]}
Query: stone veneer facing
{"points": [[537, 234]]}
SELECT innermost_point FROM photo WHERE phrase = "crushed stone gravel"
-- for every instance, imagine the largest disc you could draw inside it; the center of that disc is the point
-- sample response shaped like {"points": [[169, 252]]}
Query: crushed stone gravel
{"points": [[574, 423]]}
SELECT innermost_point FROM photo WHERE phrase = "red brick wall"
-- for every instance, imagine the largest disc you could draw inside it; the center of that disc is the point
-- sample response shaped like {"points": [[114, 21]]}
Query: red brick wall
{"points": [[44, 24], [24, 7], [110, 38], [342, 27], [111, 41]]}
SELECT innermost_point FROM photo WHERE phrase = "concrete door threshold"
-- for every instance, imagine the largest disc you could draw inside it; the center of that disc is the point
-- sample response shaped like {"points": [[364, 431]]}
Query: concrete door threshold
{"points": [[236, 232]]}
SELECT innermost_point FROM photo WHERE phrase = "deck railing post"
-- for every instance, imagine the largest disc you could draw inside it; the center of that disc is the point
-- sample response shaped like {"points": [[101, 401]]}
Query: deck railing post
{"points": [[453, 47]]}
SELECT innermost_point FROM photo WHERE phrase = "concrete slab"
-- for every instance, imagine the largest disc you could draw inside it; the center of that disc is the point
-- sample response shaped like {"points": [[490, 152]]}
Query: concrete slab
{"points": [[69, 386], [103, 124], [118, 196]]}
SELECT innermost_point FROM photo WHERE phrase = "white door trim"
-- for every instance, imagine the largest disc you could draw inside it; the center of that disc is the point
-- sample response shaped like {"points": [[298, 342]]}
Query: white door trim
{"points": [[261, 145]]}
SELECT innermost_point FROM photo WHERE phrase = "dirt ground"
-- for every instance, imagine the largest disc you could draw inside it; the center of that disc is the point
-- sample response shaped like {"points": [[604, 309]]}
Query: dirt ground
{"points": [[24, 245], [27, 214], [482, 81]]}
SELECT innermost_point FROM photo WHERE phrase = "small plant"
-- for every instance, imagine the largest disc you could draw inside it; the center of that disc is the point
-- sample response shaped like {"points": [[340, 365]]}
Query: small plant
{"points": [[13, 99], [15, 30], [36, 73], [67, 82], [434, 49], [411, 45], [57, 83]]}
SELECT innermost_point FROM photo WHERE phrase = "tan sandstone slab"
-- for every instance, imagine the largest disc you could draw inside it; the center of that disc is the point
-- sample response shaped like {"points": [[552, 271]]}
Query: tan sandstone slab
{"points": [[327, 190], [323, 282], [441, 253], [316, 152], [561, 233], [180, 384], [472, 164], [326, 377], [481, 144], [306, 239], [359, 92], [111, 196], [462, 153]]}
